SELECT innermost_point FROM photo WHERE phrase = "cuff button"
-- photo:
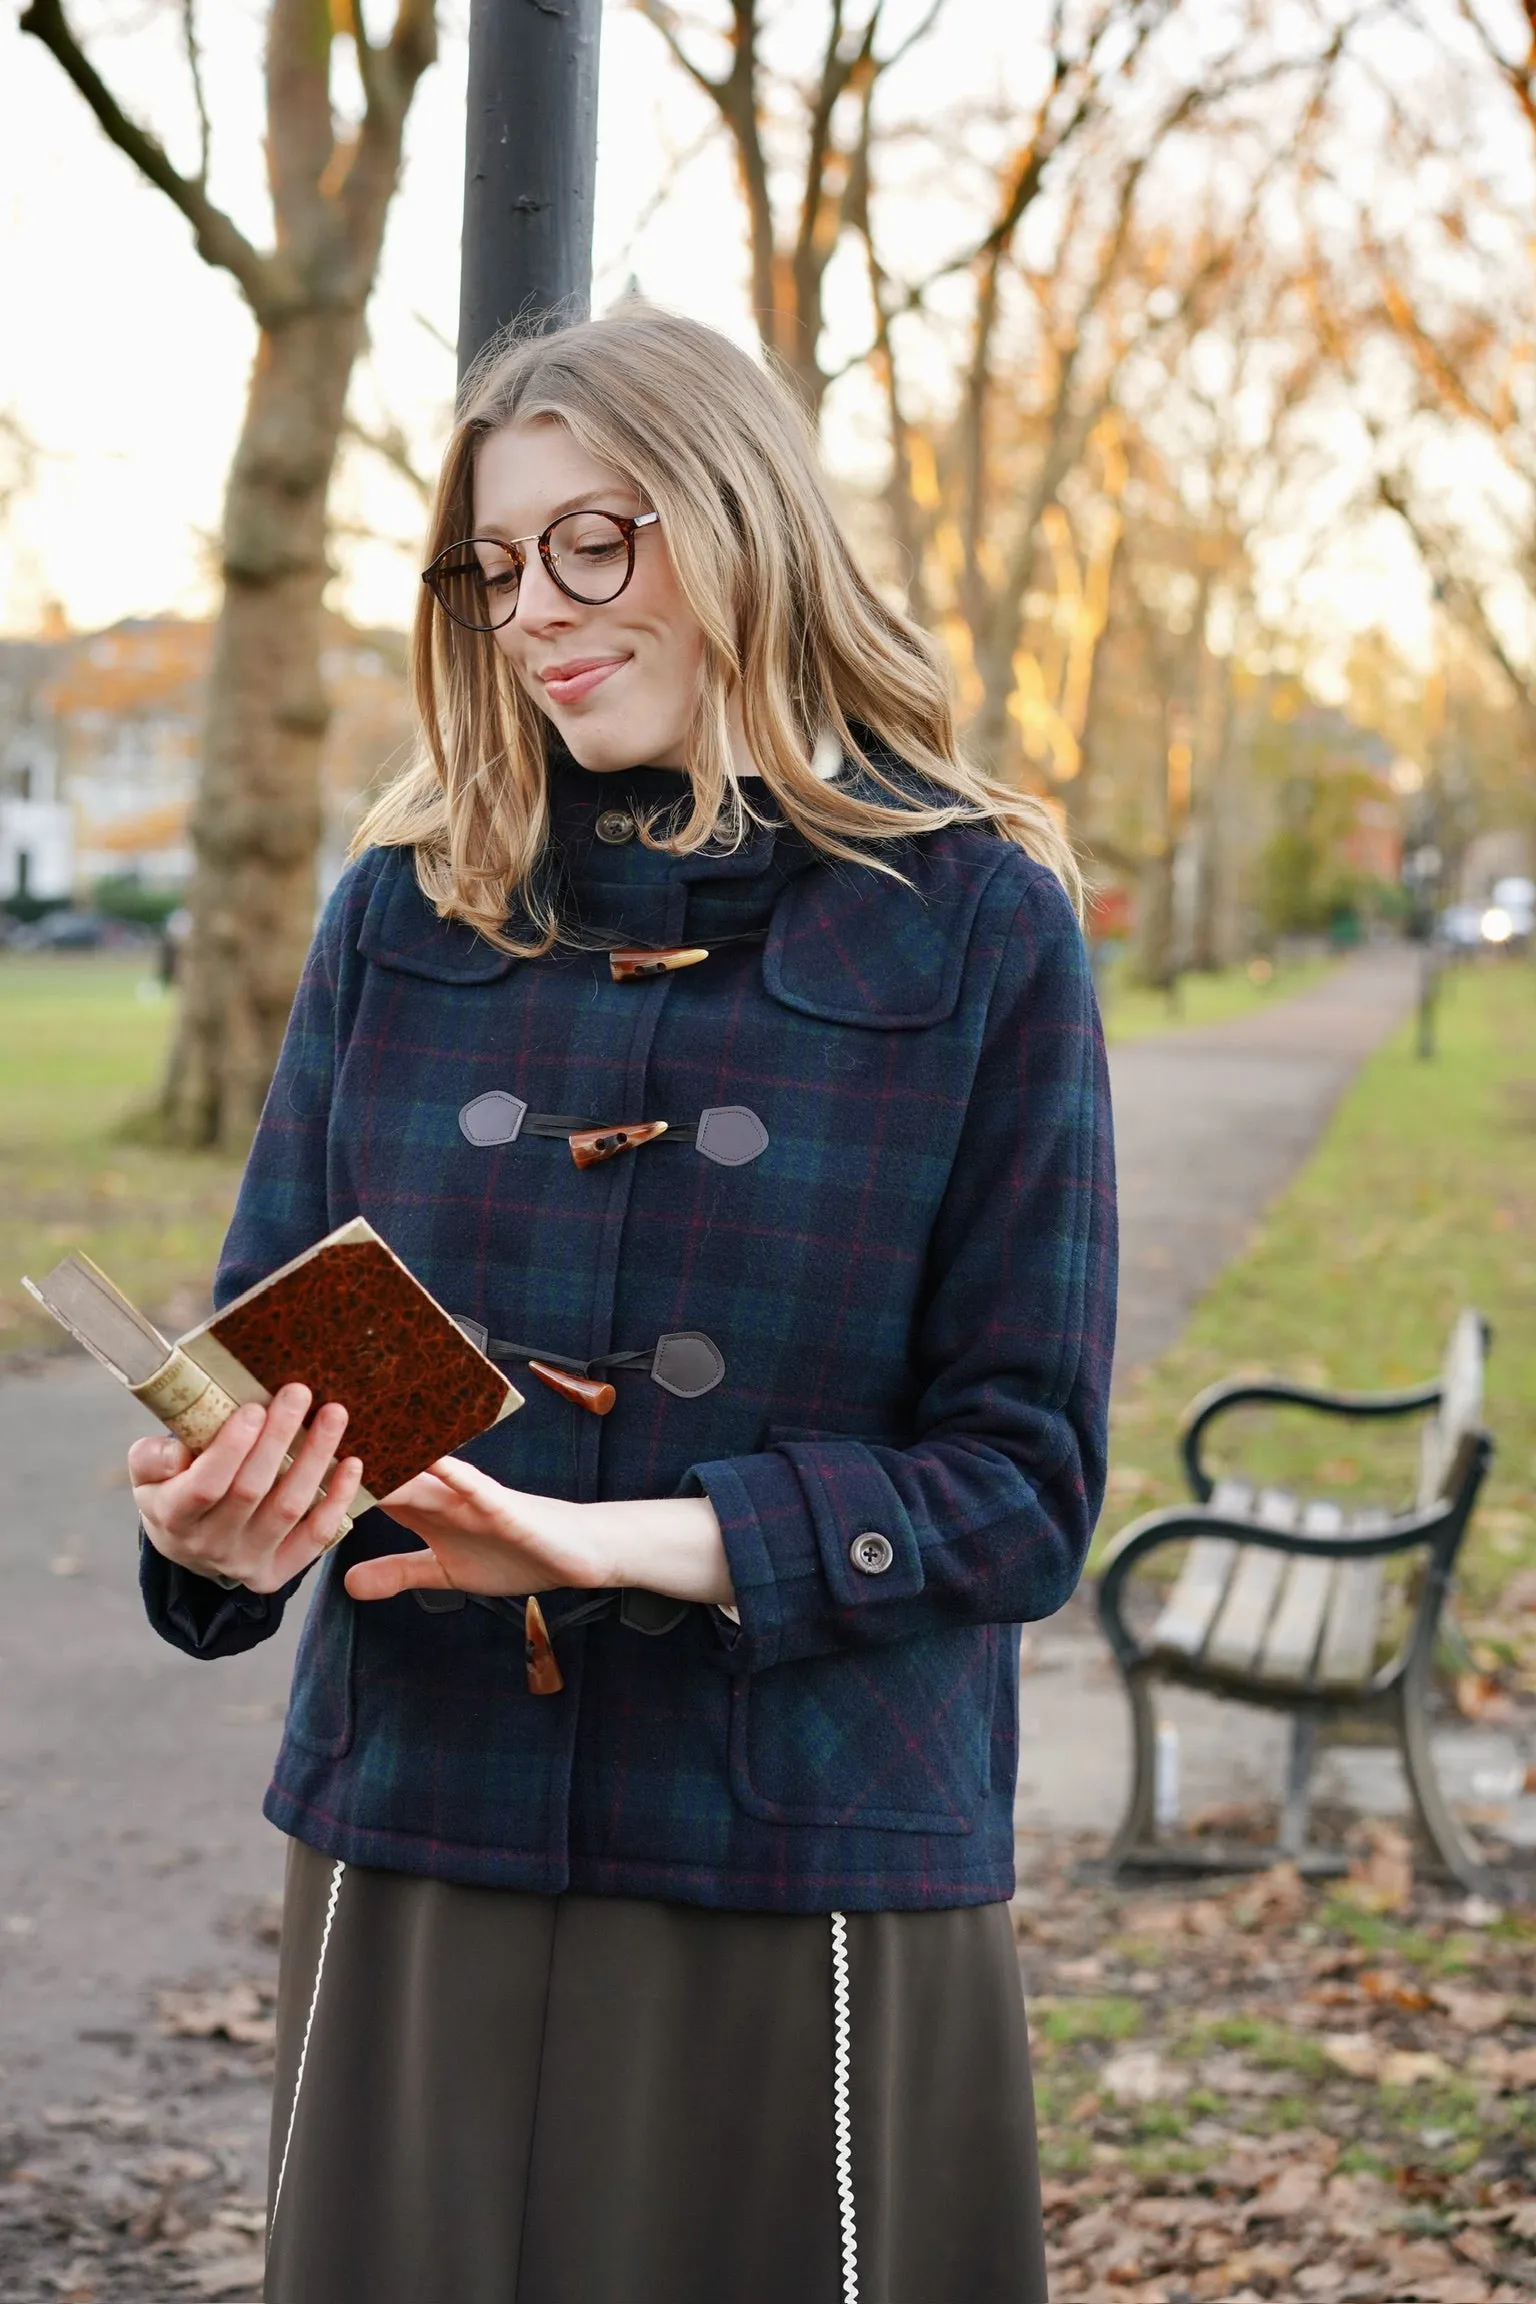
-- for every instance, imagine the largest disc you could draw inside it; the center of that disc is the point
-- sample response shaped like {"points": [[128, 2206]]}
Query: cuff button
{"points": [[871, 1553]]}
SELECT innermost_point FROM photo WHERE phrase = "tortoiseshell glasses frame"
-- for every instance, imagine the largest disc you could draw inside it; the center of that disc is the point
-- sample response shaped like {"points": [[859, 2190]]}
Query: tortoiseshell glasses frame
{"points": [[471, 579]]}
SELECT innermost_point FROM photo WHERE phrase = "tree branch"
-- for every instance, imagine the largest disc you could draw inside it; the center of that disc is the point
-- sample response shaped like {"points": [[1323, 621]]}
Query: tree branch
{"points": [[199, 97], [271, 293], [390, 75], [665, 21]]}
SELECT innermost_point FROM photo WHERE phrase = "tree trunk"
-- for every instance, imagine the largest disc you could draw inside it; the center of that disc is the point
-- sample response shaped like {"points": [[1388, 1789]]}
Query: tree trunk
{"points": [[1155, 959], [1210, 927], [256, 824]]}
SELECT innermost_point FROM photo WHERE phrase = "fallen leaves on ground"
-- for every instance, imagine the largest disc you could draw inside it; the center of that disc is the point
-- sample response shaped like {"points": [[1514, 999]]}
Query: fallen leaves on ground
{"points": [[236, 2012], [1268, 2089]]}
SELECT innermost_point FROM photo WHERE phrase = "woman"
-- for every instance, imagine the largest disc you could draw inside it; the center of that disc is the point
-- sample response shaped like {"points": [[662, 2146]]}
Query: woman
{"points": [[664, 1957]]}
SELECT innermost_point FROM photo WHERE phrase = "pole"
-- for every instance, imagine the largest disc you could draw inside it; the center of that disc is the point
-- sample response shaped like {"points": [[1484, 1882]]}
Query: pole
{"points": [[530, 165], [1429, 993]]}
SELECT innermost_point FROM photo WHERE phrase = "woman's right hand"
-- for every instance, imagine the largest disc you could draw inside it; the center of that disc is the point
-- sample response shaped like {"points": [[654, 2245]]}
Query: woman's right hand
{"points": [[233, 1511]]}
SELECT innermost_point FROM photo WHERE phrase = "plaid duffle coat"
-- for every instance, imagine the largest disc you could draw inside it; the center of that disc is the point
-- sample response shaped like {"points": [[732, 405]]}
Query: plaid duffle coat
{"points": [[861, 1296]]}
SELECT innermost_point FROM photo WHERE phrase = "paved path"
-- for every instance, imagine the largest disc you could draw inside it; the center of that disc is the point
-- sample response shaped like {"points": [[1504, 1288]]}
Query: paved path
{"points": [[1210, 1124], [131, 1839]]}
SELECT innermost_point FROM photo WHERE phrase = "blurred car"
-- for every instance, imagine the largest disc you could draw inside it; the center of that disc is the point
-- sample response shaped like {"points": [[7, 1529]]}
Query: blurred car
{"points": [[71, 930], [1461, 927], [1511, 914]]}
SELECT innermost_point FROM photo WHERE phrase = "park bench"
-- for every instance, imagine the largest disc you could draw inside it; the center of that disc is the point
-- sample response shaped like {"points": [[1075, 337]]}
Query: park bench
{"points": [[1286, 1604]]}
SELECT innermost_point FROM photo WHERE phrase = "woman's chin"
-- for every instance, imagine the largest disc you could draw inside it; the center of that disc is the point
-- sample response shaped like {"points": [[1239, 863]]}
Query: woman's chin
{"points": [[604, 747]]}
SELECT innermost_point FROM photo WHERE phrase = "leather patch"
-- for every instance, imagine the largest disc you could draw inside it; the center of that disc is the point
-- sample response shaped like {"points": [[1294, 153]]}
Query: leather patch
{"points": [[493, 1118], [731, 1135], [687, 1364]]}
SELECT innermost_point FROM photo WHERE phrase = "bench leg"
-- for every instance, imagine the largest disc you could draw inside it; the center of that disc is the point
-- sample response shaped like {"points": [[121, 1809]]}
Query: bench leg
{"points": [[1137, 1835], [1440, 1828], [1298, 1783]]}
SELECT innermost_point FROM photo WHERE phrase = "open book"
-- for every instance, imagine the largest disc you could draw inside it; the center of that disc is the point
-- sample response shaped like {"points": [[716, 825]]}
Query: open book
{"points": [[346, 1318]]}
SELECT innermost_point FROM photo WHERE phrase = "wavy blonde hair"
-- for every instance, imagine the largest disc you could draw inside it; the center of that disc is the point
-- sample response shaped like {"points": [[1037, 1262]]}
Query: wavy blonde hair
{"points": [[719, 449]]}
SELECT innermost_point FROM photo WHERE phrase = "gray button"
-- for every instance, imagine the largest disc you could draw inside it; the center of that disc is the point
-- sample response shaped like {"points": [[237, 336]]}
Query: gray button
{"points": [[615, 826], [871, 1553]]}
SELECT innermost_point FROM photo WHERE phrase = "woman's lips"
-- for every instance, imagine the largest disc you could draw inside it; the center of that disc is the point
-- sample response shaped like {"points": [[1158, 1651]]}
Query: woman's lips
{"points": [[570, 682]]}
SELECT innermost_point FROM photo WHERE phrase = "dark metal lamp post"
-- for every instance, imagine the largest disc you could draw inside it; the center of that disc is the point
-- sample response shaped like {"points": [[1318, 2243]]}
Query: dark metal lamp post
{"points": [[530, 166]]}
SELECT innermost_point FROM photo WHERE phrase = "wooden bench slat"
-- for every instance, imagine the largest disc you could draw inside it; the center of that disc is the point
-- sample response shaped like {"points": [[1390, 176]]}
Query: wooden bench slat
{"points": [[1182, 1627], [1297, 1622], [1354, 1617], [1245, 1612], [1460, 1410], [1276, 1508]]}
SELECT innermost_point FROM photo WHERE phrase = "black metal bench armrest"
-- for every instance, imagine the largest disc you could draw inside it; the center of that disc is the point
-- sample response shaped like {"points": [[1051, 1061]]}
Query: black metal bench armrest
{"points": [[1237, 1393], [1440, 1531]]}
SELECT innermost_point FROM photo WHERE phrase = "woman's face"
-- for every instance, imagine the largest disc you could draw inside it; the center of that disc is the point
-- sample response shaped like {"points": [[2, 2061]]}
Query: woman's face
{"points": [[619, 681]]}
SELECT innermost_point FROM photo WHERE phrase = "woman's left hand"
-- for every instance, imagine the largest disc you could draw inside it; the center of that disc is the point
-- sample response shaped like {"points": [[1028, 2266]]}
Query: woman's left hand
{"points": [[482, 1538], [493, 1540]]}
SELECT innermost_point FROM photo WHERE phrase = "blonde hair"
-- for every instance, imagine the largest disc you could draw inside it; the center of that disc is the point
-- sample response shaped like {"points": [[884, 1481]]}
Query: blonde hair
{"points": [[717, 447]]}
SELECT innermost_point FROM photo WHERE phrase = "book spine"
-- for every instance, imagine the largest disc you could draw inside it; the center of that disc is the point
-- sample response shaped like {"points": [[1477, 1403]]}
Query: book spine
{"points": [[189, 1403], [186, 1400]]}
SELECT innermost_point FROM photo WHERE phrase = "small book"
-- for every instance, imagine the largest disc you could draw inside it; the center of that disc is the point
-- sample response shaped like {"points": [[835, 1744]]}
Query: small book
{"points": [[346, 1318]]}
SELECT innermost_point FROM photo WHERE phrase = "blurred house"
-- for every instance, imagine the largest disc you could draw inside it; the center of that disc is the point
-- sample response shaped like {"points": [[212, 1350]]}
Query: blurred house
{"points": [[99, 744], [37, 855]]}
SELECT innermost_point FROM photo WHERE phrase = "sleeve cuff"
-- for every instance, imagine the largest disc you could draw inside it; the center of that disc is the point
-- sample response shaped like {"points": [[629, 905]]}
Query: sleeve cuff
{"points": [[194, 1613], [813, 1531]]}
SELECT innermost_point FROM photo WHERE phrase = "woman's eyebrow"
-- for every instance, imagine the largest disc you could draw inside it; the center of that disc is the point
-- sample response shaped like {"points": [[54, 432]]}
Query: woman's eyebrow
{"points": [[588, 500]]}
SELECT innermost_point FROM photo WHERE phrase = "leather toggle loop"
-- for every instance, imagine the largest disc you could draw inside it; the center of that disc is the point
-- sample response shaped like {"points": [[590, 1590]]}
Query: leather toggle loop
{"points": [[632, 967], [590, 1145], [686, 1363], [730, 1135]]}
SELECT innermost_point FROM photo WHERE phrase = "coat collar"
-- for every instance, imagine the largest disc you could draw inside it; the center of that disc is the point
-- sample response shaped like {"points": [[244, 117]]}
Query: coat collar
{"points": [[842, 944]]}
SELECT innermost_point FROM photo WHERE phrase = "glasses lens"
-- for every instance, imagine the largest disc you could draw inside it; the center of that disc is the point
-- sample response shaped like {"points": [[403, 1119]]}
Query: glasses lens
{"points": [[591, 555], [477, 585]]}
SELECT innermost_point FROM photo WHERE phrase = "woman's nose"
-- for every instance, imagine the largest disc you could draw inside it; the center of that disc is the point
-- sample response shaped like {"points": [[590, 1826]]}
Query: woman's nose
{"points": [[540, 602]]}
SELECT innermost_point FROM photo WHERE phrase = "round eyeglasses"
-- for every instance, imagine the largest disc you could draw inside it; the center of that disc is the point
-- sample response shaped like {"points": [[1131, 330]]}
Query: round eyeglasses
{"points": [[590, 555]]}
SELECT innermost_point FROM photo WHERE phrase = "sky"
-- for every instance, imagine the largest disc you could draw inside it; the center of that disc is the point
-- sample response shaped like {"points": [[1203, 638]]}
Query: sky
{"points": [[125, 356]]}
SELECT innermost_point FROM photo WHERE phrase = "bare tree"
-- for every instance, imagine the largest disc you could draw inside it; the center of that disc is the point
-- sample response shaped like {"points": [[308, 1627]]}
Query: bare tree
{"points": [[796, 214], [256, 821], [18, 459]]}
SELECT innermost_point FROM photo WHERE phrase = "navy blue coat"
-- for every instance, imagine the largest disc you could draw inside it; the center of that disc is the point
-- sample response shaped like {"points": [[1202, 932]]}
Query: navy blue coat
{"points": [[911, 1285]]}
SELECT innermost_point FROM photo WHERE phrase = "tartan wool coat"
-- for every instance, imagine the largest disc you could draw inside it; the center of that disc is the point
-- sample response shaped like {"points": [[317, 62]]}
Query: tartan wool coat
{"points": [[861, 1296]]}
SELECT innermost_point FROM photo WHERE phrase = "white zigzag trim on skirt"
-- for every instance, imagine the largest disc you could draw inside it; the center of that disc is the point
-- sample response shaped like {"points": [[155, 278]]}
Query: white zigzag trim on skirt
{"points": [[309, 2025], [842, 2120]]}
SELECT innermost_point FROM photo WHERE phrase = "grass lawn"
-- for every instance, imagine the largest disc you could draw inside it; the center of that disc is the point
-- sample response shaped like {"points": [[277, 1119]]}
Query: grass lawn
{"points": [[81, 1041], [1131, 1012], [1420, 1199]]}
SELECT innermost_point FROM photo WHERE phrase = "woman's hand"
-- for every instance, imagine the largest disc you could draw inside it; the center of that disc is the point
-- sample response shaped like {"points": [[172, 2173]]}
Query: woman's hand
{"points": [[234, 1511], [489, 1539]]}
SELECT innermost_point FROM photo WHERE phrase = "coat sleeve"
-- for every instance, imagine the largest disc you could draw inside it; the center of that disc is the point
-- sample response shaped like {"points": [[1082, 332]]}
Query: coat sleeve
{"points": [[282, 1207], [989, 1512]]}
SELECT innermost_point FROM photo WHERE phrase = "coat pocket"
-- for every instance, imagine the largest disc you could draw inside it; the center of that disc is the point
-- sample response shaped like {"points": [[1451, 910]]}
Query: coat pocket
{"points": [[887, 1739], [321, 1706]]}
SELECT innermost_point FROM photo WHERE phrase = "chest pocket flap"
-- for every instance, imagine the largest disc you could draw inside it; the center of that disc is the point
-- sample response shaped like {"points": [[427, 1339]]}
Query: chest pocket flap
{"points": [[400, 930], [851, 946]]}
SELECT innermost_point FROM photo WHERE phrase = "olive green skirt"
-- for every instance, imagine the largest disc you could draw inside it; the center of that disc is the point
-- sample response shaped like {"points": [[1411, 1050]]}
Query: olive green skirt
{"points": [[511, 2099]]}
